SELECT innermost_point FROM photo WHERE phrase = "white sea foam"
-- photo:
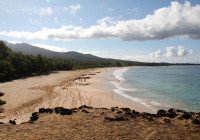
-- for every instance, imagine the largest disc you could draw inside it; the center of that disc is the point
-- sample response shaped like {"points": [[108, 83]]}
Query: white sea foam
{"points": [[137, 100], [118, 74]]}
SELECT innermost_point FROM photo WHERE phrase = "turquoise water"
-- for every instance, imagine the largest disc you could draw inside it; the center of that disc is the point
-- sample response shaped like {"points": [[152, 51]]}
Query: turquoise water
{"points": [[160, 87]]}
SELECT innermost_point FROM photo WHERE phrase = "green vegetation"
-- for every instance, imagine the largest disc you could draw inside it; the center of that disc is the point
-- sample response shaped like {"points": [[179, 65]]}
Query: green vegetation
{"points": [[2, 102], [14, 65]]}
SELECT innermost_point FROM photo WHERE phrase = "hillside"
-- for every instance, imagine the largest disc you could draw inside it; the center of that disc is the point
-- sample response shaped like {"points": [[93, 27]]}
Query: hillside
{"points": [[34, 50]]}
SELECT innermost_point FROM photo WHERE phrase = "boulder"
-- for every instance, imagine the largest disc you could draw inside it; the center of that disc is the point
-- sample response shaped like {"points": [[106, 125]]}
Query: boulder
{"points": [[171, 114], [43, 110], [171, 110], [58, 109], [34, 116], [66, 112], [161, 113], [119, 112], [135, 113], [196, 121], [126, 109], [1, 94], [186, 116], [12, 122]]}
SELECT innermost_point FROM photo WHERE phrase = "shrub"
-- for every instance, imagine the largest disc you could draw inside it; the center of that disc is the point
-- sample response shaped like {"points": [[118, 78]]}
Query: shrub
{"points": [[2, 102]]}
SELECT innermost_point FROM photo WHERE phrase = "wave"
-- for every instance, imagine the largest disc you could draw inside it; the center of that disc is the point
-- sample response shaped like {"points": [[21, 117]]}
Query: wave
{"points": [[118, 74], [120, 90]]}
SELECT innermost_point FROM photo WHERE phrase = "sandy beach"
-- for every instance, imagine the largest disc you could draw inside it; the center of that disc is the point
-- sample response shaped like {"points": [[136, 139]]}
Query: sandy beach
{"points": [[102, 118], [27, 95]]}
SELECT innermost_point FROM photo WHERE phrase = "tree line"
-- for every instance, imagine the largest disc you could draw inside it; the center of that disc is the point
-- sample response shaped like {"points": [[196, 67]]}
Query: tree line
{"points": [[14, 65]]}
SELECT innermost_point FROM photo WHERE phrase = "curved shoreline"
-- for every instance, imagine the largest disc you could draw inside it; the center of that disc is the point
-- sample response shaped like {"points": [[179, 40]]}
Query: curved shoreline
{"points": [[25, 96]]}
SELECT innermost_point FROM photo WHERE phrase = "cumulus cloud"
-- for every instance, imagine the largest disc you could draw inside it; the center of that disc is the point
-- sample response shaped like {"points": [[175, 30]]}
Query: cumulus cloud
{"points": [[183, 52], [157, 53], [172, 51], [175, 20]]}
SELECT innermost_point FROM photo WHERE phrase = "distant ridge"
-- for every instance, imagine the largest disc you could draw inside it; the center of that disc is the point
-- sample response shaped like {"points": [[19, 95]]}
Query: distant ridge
{"points": [[34, 50]]}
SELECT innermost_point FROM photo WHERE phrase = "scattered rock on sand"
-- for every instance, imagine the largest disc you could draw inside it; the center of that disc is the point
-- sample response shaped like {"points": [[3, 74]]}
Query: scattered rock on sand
{"points": [[35, 116], [1, 94], [43, 110], [12, 122], [161, 113], [186, 116]]}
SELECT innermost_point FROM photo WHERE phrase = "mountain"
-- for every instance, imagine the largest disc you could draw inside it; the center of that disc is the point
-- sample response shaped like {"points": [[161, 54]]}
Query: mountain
{"points": [[34, 50]]}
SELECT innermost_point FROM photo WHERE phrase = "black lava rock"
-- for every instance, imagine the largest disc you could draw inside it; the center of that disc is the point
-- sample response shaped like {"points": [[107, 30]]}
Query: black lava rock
{"points": [[58, 109], [35, 116], [1, 94], [196, 121], [161, 113], [84, 106], [66, 112], [12, 122], [126, 109], [186, 116], [43, 110], [85, 111]]}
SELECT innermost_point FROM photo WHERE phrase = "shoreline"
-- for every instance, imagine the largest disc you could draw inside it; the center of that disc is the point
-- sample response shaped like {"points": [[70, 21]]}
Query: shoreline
{"points": [[24, 96], [110, 82], [95, 88]]}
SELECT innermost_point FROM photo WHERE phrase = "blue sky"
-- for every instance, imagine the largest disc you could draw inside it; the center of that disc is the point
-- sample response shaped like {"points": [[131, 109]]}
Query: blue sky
{"points": [[138, 30]]}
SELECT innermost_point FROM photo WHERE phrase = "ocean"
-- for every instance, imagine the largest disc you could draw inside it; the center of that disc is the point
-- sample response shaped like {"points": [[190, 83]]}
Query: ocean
{"points": [[153, 88]]}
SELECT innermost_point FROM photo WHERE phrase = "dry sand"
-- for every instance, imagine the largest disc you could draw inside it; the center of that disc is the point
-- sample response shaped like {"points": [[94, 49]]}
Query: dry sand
{"points": [[27, 95]]}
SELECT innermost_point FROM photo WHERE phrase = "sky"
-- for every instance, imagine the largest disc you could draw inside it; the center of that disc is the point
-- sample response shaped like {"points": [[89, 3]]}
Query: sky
{"points": [[137, 30]]}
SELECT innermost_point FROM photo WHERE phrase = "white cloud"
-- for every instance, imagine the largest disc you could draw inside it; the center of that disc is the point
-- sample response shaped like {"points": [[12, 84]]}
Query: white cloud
{"points": [[172, 51], [166, 22], [74, 9], [157, 53], [45, 11], [14, 42], [183, 52], [50, 47]]}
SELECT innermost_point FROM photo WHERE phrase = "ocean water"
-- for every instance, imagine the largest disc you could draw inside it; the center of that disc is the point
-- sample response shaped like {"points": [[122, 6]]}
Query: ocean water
{"points": [[156, 88]]}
